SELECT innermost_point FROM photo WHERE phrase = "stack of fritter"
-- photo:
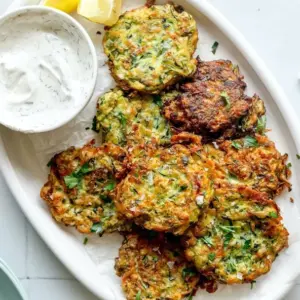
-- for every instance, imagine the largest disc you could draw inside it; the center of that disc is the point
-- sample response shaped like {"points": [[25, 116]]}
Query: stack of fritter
{"points": [[186, 172]]}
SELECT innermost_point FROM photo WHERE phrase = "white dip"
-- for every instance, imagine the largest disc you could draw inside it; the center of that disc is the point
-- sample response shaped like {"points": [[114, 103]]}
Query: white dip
{"points": [[45, 71]]}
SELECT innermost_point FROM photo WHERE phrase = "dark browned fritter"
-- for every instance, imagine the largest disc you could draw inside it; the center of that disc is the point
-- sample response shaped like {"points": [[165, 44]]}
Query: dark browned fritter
{"points": [[213, 103]]}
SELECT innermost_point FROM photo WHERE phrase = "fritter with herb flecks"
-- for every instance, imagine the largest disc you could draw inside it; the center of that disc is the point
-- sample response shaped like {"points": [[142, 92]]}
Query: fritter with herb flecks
{"points": [[150, 48], [212, 102], [235, 250], [80, 187], [131, 120], [154, 267], [161, 190], [254, 161]]}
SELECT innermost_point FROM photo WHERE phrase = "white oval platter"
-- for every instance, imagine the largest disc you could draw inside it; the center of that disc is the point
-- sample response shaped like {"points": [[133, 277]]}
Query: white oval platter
{"points": [[23, 160]]}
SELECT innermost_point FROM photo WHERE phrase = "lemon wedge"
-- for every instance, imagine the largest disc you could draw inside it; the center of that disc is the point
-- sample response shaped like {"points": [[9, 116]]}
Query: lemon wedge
{"points": [[67, 6], [100, 11]]}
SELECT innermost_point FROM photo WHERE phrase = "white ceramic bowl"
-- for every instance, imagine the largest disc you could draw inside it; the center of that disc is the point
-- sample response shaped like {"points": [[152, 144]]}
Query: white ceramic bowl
{"points": [[10, 286], [69, 65]]}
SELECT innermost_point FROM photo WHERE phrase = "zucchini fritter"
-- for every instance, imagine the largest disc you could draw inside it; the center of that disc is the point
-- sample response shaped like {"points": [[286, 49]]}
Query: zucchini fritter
{"points": [[161, 190], [214, 105], [212, 102], [150, 48], [80, 187], [131, 121], [254, 161], [154, 268], [236, 243]]}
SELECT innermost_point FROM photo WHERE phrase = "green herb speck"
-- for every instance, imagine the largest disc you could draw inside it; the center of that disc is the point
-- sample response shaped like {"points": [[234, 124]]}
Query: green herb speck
{"points": [[50, 162], [250, 141], [188, 272], [214, 47], [97, 228], [138, 295], [94, 125], [236, 145], [247, 244], [273, 214], [261, 124], [225, 97], [85, 241], [211, 256], [157, 100], [110, 186], [71, 181], [207, 240]]}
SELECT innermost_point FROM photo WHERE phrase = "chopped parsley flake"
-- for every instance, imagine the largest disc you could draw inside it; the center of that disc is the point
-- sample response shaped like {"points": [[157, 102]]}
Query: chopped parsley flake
{"points": [[261, 124], [226, 100], [50, 162], [110, 186], [188, 272], [252, 284], [214, 47], [85, 241], [236, 145], [247, 244], [71, 181], [157, 100], [289, 165], [97, 228], [227, 228], [250, 141], [207, 240], [273, 214], [232, 178], [75, 178], [211, 256], [298, 156], [94, 126], [227, 238], [138, 295]]}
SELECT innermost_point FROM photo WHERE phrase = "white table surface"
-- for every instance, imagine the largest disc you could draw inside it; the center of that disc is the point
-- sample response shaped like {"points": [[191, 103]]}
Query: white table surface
{"points": [[272, 26]]}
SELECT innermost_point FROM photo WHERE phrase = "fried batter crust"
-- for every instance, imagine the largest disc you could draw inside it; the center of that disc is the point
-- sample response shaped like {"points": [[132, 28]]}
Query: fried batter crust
{"points": [[131, 120], [160, 191], [235, 249], [212, 102], [257, 163], [150, 48], [154, 268], [80, 187]]}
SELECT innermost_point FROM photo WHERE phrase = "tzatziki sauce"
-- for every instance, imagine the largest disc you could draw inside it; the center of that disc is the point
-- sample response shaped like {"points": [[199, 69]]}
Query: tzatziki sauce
{"points": [[45, 71]]}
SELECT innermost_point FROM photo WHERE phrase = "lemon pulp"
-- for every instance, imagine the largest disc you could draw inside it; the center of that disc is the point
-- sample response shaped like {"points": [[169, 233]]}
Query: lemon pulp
{"points": [[67, 6], [100, 11]]}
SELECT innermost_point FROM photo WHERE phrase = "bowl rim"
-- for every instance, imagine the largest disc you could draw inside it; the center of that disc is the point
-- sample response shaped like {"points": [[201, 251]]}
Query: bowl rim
{"points": [[88, 40], [13, 279]]}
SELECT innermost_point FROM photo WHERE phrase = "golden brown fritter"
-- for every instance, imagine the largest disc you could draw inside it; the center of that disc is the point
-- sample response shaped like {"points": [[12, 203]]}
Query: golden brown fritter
{"points": [[150, 48], [161, 190], [236, 242], [251, 161], [154, 268], [212, 102], [131, 120], [254, 161], [80, 187]]}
